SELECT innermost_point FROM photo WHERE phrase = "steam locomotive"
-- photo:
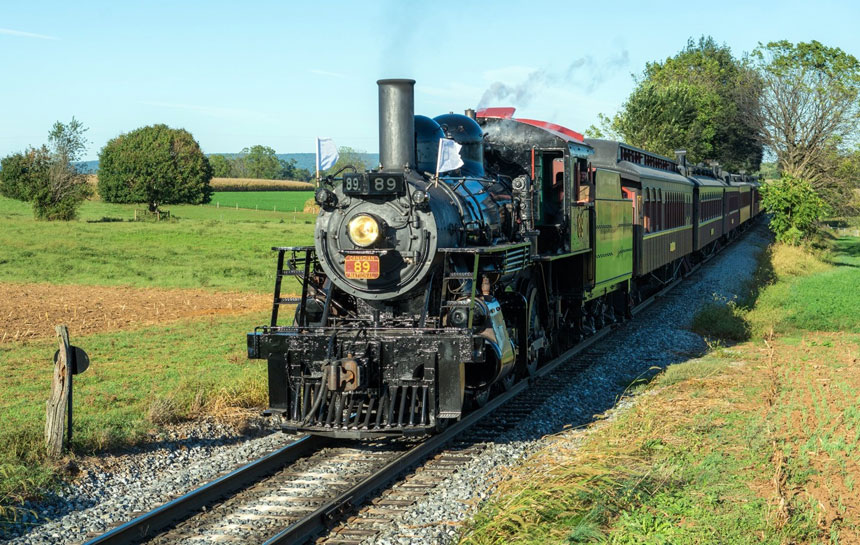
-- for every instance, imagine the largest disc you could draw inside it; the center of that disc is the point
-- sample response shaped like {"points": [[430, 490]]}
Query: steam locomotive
{"points": [[424, 293]]}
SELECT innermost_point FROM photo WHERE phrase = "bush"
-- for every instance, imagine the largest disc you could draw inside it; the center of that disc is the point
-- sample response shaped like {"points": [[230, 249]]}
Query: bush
{"points": [[794, 207], [722, 320], [22, 172], [154, 165], [47, 177]]}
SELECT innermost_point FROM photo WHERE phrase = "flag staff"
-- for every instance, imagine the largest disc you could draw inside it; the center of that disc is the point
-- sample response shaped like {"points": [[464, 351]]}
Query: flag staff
{"points": [[317, 162]]}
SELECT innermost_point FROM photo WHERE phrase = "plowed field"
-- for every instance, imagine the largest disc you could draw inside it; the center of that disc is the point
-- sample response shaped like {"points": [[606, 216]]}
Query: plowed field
{"points": [[30, 311]]}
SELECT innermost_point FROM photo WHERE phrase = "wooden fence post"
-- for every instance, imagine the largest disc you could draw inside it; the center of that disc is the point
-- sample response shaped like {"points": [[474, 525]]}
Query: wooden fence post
{"points": [[61, 394]]}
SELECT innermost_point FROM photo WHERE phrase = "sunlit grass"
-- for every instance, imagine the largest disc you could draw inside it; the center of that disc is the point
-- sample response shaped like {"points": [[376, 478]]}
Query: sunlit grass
{"points": [[205, 247]]}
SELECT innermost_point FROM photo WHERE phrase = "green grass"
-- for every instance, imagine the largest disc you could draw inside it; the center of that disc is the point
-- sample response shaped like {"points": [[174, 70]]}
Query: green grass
{"points": [[826, 301], [795, 289], [205, 247], [137, 380], [288, 201], [756, 443]]}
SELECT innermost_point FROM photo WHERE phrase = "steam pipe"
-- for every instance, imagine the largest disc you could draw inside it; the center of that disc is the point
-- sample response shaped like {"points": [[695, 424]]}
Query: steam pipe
{"points": [[396, 123]]}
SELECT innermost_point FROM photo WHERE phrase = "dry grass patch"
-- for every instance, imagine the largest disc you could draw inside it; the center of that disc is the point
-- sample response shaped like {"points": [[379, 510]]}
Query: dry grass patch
{"points": [[30, 311], [257, 184]]}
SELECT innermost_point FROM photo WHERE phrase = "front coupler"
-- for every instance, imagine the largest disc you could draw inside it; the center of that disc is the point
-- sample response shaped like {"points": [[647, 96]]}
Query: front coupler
{"points": [[360, 383]]}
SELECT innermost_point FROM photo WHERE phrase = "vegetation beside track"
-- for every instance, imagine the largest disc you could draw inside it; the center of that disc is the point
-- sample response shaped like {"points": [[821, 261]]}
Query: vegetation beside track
{"points": [[138, 381], [753, 443], [204, 246], [143, 379]]}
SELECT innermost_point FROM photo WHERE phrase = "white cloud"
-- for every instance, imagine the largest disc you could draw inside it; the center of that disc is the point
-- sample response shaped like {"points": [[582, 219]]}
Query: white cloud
{"points": [[10, 32]]}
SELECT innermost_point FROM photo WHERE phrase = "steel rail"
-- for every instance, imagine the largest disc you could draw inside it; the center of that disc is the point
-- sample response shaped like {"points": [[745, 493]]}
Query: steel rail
{"points": [[153, 522]]}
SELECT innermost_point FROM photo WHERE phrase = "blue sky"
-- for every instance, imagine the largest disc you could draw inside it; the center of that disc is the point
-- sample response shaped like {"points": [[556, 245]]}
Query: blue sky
{"points": [[279, 73]]}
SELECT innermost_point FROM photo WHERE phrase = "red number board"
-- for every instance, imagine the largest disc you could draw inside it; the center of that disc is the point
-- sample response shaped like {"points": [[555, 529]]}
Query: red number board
{"points": [[362, 267]]}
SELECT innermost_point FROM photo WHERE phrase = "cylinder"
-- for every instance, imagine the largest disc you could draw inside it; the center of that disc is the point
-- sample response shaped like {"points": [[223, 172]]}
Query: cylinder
{"points": [[396, 123]]}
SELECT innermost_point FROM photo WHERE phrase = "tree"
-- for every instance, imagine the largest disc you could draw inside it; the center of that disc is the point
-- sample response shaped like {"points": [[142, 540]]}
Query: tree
{"points": [[47, 177], [837, 178], [291, 171], [222, 167], [154, 165], [808, 113], [347, 156], [261, 162], [794, 207], [807, 100], [691, 101]]}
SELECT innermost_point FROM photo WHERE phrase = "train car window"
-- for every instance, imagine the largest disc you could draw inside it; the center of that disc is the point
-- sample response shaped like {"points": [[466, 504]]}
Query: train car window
{"points": [[558, 179], [648, 214]]}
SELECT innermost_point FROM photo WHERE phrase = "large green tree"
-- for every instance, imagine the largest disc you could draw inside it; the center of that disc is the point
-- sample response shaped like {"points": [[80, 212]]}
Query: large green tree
{"points": [[808, 112], [154, 165], [692, 101]]}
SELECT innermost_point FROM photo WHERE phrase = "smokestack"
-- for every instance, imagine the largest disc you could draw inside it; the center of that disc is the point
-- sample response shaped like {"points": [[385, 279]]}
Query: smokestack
{"points": [[470, 113], [681, 156], [396, 123]]}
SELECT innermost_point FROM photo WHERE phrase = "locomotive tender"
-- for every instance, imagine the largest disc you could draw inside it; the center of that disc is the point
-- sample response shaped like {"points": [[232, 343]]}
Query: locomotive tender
{"points": [[422, 294]]}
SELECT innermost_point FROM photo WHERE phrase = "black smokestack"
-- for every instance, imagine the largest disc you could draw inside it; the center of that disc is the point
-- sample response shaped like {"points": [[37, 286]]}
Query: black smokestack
{"points": [[396, 123]]}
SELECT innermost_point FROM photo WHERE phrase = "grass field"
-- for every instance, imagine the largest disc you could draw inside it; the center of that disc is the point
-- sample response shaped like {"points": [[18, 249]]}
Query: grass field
{"points": [[141, 378], [754, 443], [205, 247], [285, 201]]}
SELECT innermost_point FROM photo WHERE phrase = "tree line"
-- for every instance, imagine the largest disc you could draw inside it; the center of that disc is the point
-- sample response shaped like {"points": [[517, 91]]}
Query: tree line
{"points": [[257, 162], [796, 104], [152, 165]]}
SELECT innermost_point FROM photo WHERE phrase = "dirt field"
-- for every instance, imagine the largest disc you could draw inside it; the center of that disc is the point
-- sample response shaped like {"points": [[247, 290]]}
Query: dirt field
{"points": [[30, 311]]}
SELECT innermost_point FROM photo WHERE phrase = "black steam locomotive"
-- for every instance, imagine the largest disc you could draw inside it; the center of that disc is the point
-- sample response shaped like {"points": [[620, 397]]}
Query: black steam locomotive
{"points": [[422, 294]]}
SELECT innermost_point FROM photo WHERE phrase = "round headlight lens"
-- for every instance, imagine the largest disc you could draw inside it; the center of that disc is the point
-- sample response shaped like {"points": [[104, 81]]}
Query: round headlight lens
{"points": [[363, 230]]}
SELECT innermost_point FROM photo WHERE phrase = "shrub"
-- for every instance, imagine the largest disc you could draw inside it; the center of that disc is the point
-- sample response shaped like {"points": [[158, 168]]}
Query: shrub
{"points": [[794, 207], [22, 172], [154, 165], [722, 320], [47, 177]]}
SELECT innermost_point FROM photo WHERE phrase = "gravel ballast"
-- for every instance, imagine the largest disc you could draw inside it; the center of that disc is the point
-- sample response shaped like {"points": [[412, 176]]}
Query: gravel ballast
{"points": [[112, 488]]}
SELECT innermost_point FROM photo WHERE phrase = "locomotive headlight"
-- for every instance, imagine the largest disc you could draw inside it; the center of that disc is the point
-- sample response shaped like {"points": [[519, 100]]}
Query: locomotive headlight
{"points": [[363, 230]]}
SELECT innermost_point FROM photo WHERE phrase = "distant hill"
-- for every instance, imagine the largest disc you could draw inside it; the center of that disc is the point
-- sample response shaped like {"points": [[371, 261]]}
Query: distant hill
{"points": [[303, 160]]}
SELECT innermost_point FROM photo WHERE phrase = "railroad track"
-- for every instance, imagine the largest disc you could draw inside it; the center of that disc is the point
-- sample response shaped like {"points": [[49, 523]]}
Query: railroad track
{"points": [[278, 499]]}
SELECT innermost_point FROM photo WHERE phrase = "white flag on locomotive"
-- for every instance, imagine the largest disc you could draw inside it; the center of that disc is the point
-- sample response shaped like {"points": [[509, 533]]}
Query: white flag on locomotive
{"points": [[326, 154], [449, 156]]}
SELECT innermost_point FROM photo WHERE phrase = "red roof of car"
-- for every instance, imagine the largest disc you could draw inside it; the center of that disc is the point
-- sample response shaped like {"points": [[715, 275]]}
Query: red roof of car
{"points": [[508, 113]]}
